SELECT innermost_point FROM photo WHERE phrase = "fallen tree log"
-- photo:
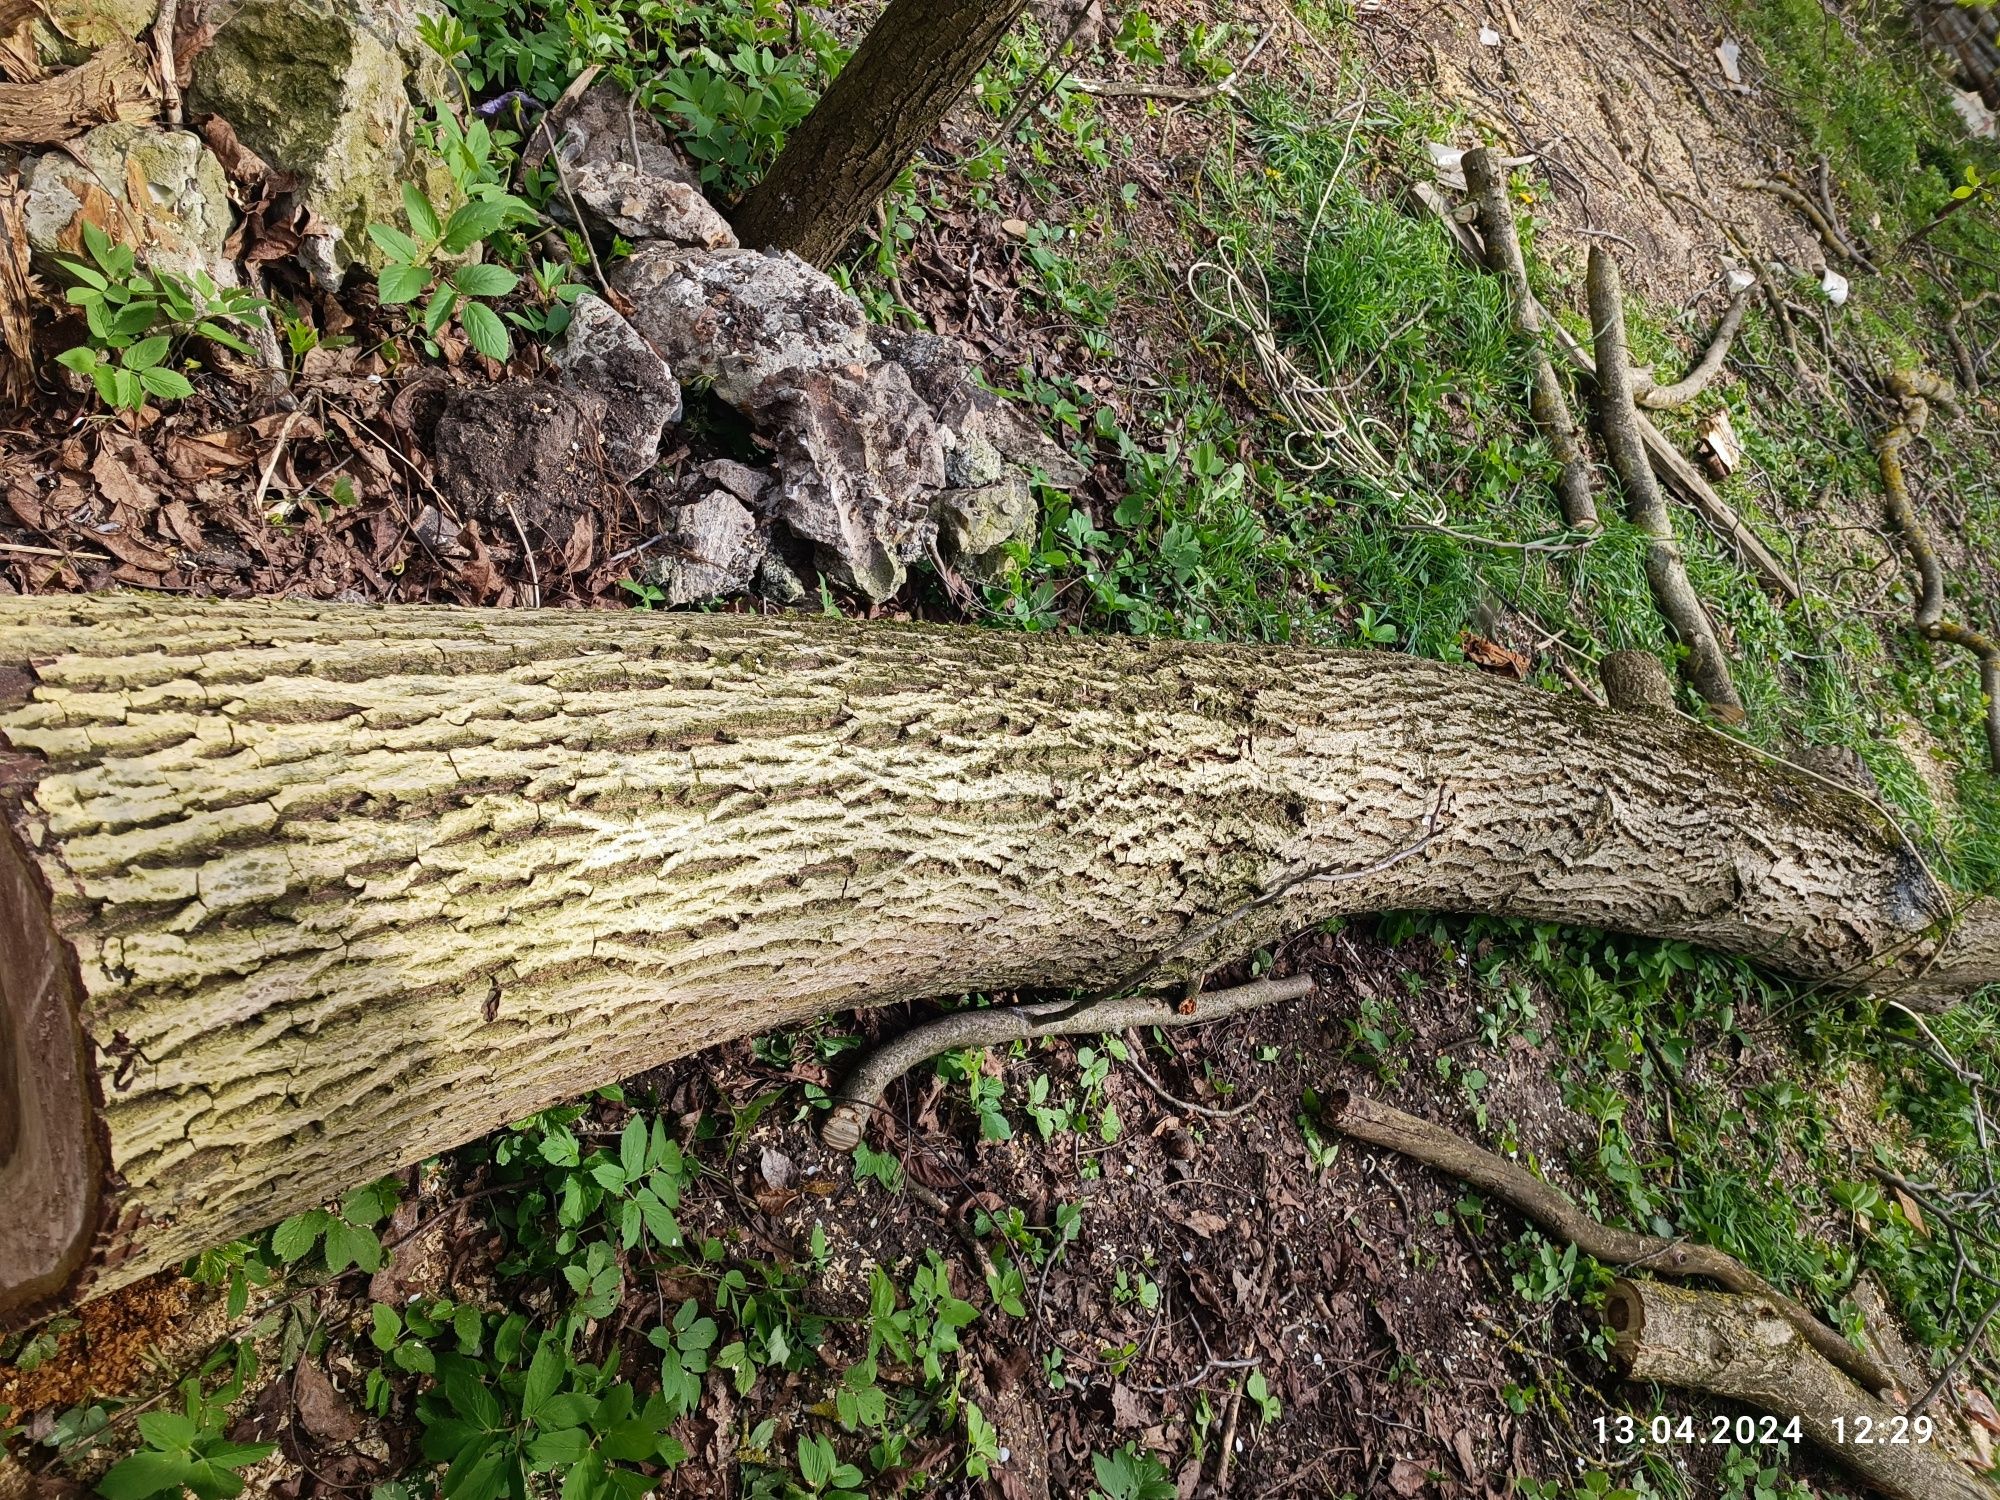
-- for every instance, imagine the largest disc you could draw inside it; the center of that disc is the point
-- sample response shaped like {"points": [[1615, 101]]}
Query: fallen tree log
{"points": [[294, 895], [1744, 1349]]}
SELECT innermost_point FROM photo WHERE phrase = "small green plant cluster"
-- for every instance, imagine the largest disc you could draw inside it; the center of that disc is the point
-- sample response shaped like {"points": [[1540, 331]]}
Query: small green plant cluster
{"points": [[427, 262], [731, 78], [188, 1452], [140, 321]]}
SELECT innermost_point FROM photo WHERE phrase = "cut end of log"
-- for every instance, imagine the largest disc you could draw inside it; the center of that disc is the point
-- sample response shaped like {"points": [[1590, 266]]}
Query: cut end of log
{"points": [[50, 1175]]}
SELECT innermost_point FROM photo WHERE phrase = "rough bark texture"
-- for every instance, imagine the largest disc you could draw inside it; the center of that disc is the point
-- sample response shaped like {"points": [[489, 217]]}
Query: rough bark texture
{"points": [[297, 894], [915, 63], [1488, 181], [1666, 573], [115, 84], [1743, 1348]]}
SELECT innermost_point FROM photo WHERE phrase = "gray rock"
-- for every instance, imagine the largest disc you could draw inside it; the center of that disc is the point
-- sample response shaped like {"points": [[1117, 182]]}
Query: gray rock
{"points": [[859, 457], [643, 206], [784, 576], [331, 91], [599, 130], [741, 319], [603, 354], [756, 488], [68, 31], [184, 215], [971, 461], [981, 423], [972, 523], [712, 548]]}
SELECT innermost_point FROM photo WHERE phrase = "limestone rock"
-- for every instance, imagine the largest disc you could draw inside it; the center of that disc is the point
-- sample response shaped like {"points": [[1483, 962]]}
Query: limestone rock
{"points": [[741, 318], [859, 457], [644, 206], [331, 91], [712, 548], [975, 524], [161, 191], [756, 488], [981, 424], [602, 354], [70, 30], [599, 130], [784, 576]]}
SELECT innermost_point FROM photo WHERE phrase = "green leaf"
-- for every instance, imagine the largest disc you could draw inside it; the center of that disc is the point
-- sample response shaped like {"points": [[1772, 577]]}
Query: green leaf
{"points": [[168, 1430], [416, 1358], [147, 353], [485, 280], [815, 1461], [400, 284], [168, 385], [239, 1455], [388, 1327], [82, 359], [145, 1474], [128, 394], [632, 1142], [478, 219], [216, 333], [397, 245], [544, 1375], [423, 218], [485, 332]]}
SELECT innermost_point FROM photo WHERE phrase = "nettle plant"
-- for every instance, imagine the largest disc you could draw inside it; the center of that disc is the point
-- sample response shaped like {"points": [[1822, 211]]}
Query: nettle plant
{"points": [[140, 320]]}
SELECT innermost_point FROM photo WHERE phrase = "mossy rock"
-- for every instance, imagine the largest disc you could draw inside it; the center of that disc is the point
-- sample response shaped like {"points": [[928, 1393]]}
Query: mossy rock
{"points": [[332, 93], [73, 29], [160, 191]]}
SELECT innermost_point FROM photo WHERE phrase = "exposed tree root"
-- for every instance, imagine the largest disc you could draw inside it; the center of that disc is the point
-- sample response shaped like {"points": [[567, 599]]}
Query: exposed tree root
{"points": [[1488, 181], [1528, 1195], [863, 1090], [1618, 420], [1829, 232], [1748, 1349], [1916, 390], [1705, 369]]}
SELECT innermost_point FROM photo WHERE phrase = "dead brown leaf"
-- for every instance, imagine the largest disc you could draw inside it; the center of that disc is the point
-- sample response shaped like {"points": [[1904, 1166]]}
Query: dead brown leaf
{"points": [[323, 1411], [119, 485], [1128, 1408], [1491, 656], [1406, 1478]]}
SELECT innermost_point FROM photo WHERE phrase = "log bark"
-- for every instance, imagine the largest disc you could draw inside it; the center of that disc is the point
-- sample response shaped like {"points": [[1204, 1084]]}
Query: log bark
{"points": [[1666, 573], [1742, 1348], [915, 63], [116, 83], [292, 895], [1487, 180]]}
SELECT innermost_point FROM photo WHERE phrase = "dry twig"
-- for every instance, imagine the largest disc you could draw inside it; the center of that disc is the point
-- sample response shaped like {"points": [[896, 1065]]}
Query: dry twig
{"points": [[1528, 1195], [1618, 421], [1487, 179]]}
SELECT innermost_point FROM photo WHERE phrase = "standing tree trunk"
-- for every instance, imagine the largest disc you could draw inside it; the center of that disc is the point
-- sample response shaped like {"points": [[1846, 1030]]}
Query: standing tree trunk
{"points": [[916, 62], [292, 896]]}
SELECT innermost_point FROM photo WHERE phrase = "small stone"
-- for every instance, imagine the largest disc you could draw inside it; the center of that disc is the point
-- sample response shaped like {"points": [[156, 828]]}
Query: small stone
{"points": [[642, 206], [434, 530], [971, 461], [756, 488], [604, 355], [600, 128], [740, 318], [711, 549], [973, 522], [941, 370], [782, 577]]}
